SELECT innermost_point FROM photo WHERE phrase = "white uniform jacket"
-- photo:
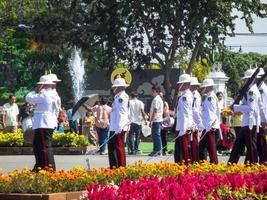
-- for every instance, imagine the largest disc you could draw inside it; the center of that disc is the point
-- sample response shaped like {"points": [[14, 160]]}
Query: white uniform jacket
{"points": [[263, 109], [250, 108], [57, 105], [210, 111], [184, 112], [58, 102], [197, 110], [119, 119], [45, 109]]}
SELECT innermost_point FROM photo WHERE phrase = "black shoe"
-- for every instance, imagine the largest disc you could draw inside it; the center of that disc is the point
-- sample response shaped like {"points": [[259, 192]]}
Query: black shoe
{"points": [[154, 154], [138, 152], [164, 153], [171, 151], [151, 154], [131, 153]]}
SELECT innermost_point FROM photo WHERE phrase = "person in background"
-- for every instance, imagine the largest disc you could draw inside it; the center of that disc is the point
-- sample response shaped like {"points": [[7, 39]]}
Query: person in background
{"points": [[165, 124], [73, 124], [102, 113], [87, 127], [137, 115], [219, 96], [239, 148], [62, 120], [25, 116], [156, 119], [10, 115], [222, 131]]}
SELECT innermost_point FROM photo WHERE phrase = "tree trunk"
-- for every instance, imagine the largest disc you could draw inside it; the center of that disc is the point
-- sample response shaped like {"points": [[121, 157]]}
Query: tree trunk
{"points": [[167, 83], [194, 54]]}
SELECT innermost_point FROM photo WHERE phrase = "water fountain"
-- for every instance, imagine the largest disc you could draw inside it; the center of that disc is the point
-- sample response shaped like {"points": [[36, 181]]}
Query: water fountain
{"points": [[77, 72]]}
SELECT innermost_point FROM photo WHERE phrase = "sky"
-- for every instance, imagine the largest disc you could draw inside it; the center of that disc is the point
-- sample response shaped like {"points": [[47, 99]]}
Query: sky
{"points": [[250, 43]]}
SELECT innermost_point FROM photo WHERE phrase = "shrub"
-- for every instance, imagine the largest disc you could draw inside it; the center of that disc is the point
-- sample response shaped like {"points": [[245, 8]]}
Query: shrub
{"points": [[58, 140]]}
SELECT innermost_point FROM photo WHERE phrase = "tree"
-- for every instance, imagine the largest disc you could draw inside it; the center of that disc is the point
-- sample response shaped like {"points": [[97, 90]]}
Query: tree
{"points": [[139, 32], [234, 64], [156, 29]]}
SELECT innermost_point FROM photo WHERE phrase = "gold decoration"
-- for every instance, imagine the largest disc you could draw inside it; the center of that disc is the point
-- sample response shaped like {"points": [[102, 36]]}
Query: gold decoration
{"points": [[123, 73]]}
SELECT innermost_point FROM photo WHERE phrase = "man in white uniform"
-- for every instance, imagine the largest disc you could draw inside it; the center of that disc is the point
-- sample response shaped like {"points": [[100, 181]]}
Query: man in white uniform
{"points": [[56, 96], [197, 110], [210, 122], [43, 122], [119, 122], [261, 136], [184, 123], [250, 124]]}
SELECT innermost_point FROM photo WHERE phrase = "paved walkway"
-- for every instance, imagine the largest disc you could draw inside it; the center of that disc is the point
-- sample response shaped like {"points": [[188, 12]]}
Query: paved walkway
{"points": [[10, 163]]}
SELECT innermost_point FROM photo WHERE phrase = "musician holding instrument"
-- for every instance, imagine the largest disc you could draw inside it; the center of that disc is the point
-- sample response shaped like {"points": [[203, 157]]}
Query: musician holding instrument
{"points": [[261, 136], [43, 122], [197, 112], [210, 121], [250, 123], [185, 122], [119, 122]]}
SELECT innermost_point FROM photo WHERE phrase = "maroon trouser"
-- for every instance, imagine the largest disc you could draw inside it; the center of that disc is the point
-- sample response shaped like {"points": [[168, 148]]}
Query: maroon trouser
{"points": [[251, 144], [182, 151], [262, 146], [207, 143], [116, 153], [195, 146], [42, 148]]}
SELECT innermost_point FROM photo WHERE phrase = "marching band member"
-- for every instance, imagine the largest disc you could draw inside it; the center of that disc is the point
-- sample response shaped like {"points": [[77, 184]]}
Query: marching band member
{"points": [[118, 124], [184, 122], [57, 98], [197, 118], [261, 136], [250, 123], [43, 122], [210, 122]]}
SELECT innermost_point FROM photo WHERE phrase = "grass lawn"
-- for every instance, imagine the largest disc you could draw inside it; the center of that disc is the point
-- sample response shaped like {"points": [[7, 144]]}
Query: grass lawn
{"points": [[147, 147]]}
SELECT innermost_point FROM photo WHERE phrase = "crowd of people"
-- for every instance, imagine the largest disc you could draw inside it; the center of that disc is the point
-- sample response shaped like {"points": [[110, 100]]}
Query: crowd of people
{"points": [[197, 121], [200, 122]]}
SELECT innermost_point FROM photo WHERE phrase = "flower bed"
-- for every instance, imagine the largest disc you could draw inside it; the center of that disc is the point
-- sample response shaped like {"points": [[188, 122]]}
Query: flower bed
{"points": [[149, 181], [186, 186], [58, 139]]}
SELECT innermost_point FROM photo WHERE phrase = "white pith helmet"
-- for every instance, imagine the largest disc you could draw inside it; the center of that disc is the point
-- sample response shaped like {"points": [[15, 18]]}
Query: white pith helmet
{"points": [[54, 77], [119, 82], [184, 78], [207, 83], [45, 80], [194, 81], [248, 73]]}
